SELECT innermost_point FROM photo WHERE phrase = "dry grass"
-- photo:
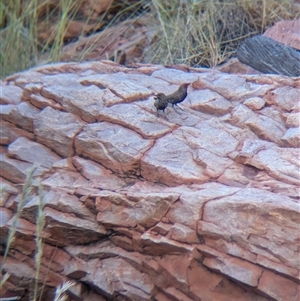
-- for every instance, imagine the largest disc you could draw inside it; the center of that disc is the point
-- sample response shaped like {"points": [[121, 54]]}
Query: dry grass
{"points": [[25, 198], [28, 192], [31, 28], [60, 291], [22, 45], [206, 33], [40, 223], [195, 32]]}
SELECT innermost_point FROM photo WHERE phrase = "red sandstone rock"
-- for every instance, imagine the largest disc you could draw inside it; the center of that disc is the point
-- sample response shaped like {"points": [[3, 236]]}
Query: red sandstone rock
{"points": [[108, 144], [286, 32], [21, 115], [10, 94], [10, 132], [57, 130], [202, 204]]}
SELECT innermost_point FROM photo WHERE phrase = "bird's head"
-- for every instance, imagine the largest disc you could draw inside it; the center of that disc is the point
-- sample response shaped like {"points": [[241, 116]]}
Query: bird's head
{"points": [[159, 95]]}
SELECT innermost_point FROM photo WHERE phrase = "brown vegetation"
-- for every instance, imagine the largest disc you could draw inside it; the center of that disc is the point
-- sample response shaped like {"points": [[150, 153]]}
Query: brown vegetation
{"points": [[197, 33]]}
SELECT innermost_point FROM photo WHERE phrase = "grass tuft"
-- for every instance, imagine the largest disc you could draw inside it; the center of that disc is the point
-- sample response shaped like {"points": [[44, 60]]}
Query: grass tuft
{"points": [[26, 196], [60, 291], [27, 191], [207, 33], [40, 223]]}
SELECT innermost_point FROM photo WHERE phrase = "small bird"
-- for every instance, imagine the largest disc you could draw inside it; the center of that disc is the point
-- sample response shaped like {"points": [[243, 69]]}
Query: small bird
{"points": [[161, 102], [178, 96]]}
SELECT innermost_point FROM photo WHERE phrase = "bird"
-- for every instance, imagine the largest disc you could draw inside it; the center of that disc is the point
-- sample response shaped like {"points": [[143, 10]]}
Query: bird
{"points": [[178, 96], [161, 102]]}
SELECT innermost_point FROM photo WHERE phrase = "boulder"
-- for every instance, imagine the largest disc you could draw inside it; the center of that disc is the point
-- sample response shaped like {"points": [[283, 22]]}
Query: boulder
{"points": [[201, 203]]}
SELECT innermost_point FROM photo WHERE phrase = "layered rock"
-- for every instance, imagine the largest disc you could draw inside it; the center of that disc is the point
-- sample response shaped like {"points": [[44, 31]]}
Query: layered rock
{"points": [[199, 204]]}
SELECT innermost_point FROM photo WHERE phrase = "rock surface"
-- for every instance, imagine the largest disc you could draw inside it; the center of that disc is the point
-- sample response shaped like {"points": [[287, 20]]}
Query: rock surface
{"points": [[286, 32], [202, 204]]}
